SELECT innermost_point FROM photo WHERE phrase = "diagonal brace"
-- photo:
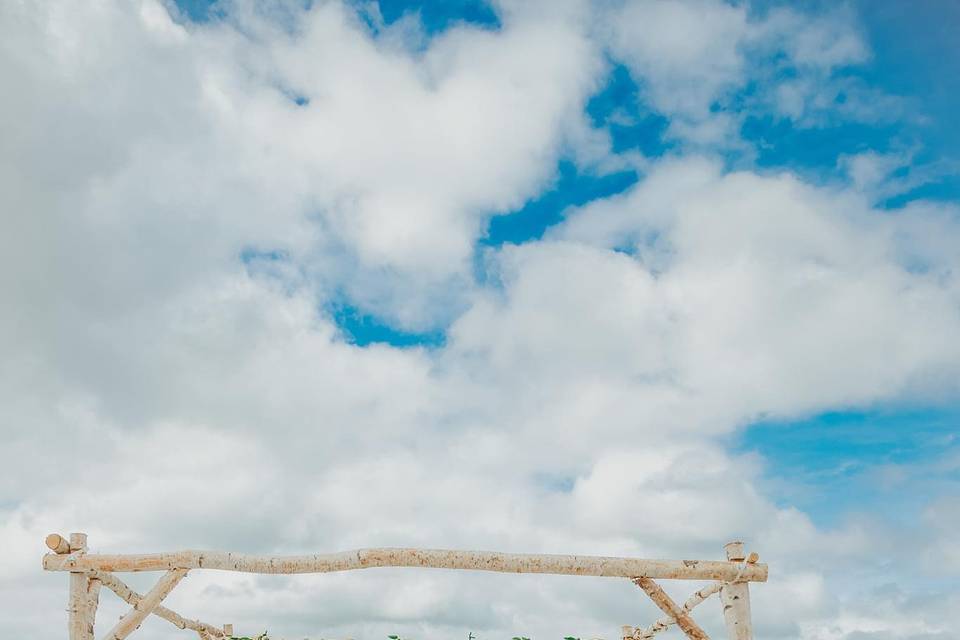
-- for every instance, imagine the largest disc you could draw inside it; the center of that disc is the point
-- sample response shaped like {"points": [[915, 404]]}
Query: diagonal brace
{"points": [[692, 602], [139, 612], [127, 594], [668, 606]]}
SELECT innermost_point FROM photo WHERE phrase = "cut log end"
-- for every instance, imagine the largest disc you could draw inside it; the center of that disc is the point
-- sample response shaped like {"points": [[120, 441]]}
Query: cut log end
{"points": [[57, 543], [735, 551]]}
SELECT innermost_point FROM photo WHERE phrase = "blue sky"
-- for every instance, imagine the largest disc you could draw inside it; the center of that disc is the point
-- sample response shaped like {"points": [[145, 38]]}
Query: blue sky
{"points": [[628, 277], [842, 464], [829, 460], [914, 56]]}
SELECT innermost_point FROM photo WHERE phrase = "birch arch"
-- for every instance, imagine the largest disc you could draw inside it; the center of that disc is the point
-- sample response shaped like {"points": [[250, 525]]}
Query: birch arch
{"points": [[89, 573]]}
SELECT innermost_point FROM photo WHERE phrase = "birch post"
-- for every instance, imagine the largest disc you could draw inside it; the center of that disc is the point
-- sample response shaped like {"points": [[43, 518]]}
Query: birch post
{"points": [[93, 601], [735, 597], [79, 617]]}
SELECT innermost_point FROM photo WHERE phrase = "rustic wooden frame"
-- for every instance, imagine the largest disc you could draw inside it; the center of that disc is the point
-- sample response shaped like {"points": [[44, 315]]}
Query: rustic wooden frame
{"points": [[89, 572]]}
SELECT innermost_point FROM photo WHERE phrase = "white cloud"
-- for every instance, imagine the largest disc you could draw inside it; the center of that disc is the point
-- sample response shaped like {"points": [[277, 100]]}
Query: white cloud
{"points": [[690, 56], [405, 156], [688, 52], [750, 263], [394, 165], [885, 175], [158, 393]]}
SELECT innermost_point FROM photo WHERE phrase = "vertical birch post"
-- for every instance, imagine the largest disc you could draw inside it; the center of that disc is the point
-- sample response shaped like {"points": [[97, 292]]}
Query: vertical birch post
{"points": [[735, 597], [80, 619], [93, 601]]}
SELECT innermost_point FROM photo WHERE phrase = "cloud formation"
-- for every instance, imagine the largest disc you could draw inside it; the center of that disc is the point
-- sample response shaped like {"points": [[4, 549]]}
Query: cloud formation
{"points": [[185, 202]]}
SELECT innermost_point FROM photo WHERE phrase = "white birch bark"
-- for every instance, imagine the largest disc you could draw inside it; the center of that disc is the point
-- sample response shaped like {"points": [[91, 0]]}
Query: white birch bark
{"points": [[666, 604], [131, 597], [139, 612], [57, 543], [79, 603], [432, 558], [735, 597], [663, 623], [93, 601]]}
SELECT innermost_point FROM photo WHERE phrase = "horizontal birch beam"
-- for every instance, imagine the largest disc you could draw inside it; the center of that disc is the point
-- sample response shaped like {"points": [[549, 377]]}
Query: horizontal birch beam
{"points": [[610, 567], [130, 596]]}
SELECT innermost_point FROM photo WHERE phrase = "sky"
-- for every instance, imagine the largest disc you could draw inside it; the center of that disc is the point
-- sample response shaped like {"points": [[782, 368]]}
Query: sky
{"points": [[622, 277]]}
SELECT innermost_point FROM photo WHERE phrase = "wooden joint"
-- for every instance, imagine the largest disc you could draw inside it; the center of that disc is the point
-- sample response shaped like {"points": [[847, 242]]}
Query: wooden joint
{"points": [[735, 596], [146, 605], [204, 630], [666, 604]]}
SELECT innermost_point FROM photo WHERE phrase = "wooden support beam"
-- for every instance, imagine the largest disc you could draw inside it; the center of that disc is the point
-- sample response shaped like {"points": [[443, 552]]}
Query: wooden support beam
{"points": [[735, 597], [93, 601], [131, 597], [432, 558], [669, 607], [139, 612], [79, 617], [663, 623]]}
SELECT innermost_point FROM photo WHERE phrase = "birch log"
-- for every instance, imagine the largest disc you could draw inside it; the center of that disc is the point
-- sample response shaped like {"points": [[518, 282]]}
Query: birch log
{"points": [[432, 558], [93, 601], [57, 543], [735, 597], [693, 601], [78, 616], [131, 597], [139, 612], [669, 607]]}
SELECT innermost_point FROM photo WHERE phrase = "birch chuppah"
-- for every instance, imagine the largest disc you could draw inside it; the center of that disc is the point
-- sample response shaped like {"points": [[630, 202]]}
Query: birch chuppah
{"points": [[90, 572]]}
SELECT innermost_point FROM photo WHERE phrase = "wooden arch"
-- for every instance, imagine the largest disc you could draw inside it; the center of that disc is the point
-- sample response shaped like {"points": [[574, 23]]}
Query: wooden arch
{"points": [[89, 572]]}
